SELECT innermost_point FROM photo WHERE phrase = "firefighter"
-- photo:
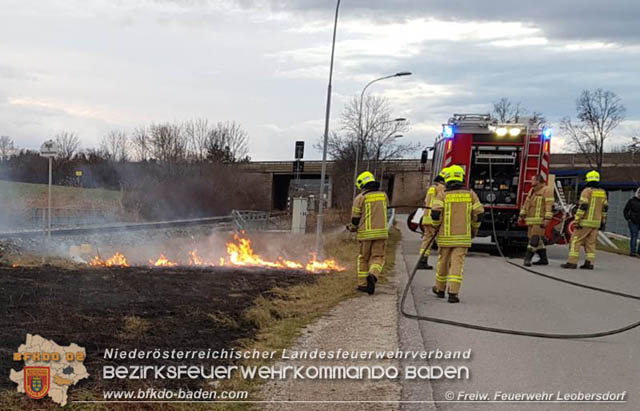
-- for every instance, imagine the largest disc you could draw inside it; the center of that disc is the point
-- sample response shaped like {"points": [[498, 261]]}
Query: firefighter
{"points": [[428, 230], [590, 217], [537, 212], [456, 213], [369, 220]]}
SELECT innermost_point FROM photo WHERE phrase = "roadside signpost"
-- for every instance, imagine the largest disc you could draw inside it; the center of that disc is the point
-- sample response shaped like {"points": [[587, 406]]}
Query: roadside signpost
{"points": [[49, 149]]}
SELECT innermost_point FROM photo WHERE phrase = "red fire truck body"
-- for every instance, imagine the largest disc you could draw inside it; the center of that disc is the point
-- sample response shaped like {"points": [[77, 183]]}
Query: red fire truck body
{"points": [[500, 161]]}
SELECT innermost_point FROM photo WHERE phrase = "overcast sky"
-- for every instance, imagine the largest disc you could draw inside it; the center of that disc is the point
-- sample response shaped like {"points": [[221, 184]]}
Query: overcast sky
{"points": [[90, 66]]}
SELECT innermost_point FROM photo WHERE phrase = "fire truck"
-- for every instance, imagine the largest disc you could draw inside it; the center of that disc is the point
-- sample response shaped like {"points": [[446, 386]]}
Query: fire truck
{"points": [[500, 161]]}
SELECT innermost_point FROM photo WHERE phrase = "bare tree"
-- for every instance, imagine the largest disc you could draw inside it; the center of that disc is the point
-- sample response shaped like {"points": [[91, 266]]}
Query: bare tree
{"points": [[198, 134], [140, 144], [376, 140], [68, 144], [228, 142], [634, 147], [7, 147], [114, 145], [599, 112], [167, 143], [506, 111]]}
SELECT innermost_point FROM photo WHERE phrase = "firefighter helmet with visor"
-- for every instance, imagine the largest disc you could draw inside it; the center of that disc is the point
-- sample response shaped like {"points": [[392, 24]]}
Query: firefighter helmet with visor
{"points": [[593, 176], [364, 178], [454, 173]]}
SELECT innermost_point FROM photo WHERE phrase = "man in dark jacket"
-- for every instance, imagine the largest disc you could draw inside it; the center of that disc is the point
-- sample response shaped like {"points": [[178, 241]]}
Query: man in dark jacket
{"points": [[632, 215]]}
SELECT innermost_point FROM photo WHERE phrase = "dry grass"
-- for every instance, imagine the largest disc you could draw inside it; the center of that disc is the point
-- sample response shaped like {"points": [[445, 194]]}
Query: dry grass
{"points": [[35, 195], [134, 328], [223, 320], [280, 319]]}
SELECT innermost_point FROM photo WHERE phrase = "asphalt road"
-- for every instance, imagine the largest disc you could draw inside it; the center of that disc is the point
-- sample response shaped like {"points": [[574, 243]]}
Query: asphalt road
{"points": [[497, 294]]}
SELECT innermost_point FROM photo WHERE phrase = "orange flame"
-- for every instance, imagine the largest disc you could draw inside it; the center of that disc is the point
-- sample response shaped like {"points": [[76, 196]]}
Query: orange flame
{"points": [[162, 261], [194, 259], [116, 260], [239, 253], [327, 265]]}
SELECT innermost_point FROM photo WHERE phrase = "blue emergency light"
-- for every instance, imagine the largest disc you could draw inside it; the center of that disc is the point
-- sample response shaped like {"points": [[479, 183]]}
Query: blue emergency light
{"points": [[447, 131], [547, 132]]}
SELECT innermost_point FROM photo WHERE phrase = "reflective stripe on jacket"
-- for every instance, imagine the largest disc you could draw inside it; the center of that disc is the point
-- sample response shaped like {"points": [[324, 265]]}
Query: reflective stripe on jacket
{"points": [[592, 208], [432, 193], [371, 208], [538, 206], [459, 209]]}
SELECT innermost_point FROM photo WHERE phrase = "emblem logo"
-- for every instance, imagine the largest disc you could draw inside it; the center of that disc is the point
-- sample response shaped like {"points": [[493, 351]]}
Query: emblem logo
{"points": [[36, 381]]}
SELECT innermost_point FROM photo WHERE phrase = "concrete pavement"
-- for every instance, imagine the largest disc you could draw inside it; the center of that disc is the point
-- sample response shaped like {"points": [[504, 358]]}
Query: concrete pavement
{"points": [[497, 294]]}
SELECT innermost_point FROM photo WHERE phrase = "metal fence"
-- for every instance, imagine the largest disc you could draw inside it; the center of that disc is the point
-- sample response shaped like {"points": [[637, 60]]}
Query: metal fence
{"points": [[616, 222]]}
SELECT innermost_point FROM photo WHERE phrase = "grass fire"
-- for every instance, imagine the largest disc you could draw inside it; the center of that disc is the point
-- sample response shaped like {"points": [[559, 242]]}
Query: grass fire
{"points": [[239, 253]]}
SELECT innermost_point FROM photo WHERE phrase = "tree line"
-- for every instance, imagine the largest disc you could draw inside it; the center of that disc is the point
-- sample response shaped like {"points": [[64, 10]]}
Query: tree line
{"points": [[192, 141]]}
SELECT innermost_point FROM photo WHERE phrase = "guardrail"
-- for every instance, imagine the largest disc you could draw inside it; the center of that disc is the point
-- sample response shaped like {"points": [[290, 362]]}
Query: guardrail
{"points": [[118, 227]]}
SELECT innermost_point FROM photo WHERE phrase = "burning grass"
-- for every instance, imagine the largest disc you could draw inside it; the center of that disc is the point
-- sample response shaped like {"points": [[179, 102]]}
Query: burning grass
{"points": [[129, 307], [239, 253], [280, 318]]}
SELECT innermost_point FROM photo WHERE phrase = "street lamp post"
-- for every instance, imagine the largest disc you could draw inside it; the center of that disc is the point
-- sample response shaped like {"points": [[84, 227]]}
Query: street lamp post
{"points": [[320, 217], [360, 130], [378, 156]]}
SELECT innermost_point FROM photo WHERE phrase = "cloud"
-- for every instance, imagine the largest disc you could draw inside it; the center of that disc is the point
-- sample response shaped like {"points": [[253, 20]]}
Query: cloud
{"points": [[610, 21], [93, 65]]}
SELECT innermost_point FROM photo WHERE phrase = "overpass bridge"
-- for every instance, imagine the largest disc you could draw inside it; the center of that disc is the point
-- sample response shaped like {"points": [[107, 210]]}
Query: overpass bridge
{"points": [[406, 180]]}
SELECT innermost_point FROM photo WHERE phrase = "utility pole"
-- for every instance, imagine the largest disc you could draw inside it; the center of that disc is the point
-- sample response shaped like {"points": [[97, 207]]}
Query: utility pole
{"points": [[320, 217]]}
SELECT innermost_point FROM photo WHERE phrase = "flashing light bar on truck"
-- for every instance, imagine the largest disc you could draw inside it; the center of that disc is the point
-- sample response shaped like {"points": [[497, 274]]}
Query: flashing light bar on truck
{"points": [[500, 161]]}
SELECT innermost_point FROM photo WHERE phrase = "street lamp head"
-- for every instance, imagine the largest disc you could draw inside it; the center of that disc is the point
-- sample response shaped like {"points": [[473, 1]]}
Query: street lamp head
{"points": [[403, 73], [398, 136], [400, 119]]}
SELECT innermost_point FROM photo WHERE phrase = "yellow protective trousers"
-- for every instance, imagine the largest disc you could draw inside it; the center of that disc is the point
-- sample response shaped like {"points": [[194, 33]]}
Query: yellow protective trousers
{"points": [[450, 268], [535, 233], [583, 237], [371, 257], [427, 237]]}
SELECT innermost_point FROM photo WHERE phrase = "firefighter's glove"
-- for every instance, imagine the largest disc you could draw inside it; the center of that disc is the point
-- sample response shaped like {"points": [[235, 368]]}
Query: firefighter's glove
{"points": [[544, 224], [603, 226], [352, 228], [474, 232]]}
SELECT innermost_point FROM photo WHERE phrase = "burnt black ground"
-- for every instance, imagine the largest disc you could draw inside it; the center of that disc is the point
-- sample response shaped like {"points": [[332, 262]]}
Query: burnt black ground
{"points": [[88, 307]]}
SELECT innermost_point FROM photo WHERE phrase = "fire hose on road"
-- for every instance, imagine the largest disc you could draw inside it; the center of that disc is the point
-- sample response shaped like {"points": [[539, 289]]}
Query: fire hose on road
{"points": [[504, 330]]}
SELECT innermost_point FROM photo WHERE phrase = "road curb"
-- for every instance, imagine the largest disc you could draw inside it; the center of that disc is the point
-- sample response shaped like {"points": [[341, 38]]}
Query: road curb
{"points": [[410, 339]]}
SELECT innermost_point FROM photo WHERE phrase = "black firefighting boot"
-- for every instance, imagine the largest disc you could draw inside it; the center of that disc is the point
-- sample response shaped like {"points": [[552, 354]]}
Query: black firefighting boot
{"points": [[437, 292], [424, 263], [453, 298], [570, 266], [587, 265], [543, 258], [527, 258], [371, 284]]}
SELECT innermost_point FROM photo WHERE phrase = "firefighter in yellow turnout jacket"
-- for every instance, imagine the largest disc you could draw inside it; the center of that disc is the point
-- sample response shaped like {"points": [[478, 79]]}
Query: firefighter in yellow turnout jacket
{"points": [[537, 211], [457, 213], [590, 218], [429, 231], [369, 220]]}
